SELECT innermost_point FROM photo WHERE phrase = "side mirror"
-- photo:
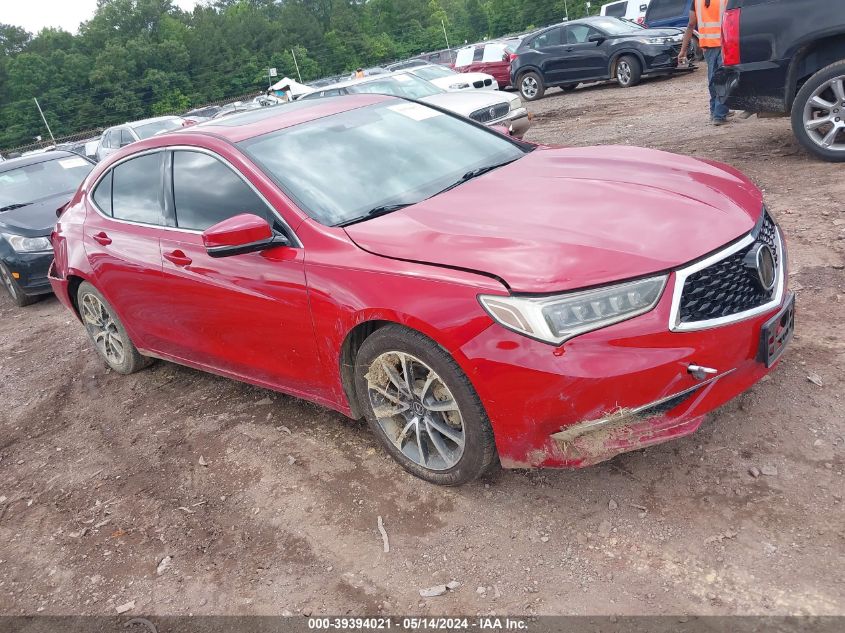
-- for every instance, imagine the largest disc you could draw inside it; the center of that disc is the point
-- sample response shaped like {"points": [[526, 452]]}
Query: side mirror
{"points": [[598, 38], [244, 233]]}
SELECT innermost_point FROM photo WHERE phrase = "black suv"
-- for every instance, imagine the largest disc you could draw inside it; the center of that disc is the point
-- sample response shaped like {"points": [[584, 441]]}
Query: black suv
{"points": [[592, 49], [787, 57]]}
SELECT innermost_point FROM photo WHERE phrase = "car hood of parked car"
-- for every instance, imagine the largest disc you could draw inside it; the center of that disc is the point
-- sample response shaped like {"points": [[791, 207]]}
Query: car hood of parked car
{"points": [[466, 102], [561, 219], [36, 218], [460, 78]]}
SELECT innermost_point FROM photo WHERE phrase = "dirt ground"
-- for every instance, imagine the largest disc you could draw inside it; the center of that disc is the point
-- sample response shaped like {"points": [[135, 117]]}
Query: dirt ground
{"points": [[100, 475]]}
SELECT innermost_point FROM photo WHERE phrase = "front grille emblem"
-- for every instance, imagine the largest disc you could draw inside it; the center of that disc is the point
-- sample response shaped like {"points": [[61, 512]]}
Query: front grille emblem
{"points": [[760, 263]]}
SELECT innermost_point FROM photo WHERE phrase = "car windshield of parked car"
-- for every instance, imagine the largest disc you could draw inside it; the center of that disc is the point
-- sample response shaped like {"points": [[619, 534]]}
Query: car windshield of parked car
{"points": [[151, 129], [433, 72], [350, 166], [615, 26], [41, 180], [404, 85]]}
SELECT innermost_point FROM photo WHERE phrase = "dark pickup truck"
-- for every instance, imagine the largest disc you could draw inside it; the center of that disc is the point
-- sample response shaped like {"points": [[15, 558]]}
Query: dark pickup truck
{"points": [[787, 58]]}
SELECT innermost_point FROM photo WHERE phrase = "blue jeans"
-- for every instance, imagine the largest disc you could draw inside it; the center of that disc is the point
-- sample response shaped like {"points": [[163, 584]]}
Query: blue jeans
{"points": [[713, 57]]}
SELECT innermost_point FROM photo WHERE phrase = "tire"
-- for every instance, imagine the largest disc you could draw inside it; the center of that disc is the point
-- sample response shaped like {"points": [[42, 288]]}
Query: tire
{"points": [[448, 445], [107, 332], [629, 71], [531, 86], [19, 297], [828, 85]]}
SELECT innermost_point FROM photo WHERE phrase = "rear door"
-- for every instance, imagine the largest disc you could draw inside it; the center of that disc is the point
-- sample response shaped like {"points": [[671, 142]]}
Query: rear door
{"points": [[495, 60], [549, 56], [121, 235], [248, 314]]}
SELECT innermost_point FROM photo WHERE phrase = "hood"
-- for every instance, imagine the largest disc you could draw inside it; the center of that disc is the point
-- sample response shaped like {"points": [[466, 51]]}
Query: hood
{"points": [[665, 32], [467, 101], [35, 219], [561, 219], [467, 78]]}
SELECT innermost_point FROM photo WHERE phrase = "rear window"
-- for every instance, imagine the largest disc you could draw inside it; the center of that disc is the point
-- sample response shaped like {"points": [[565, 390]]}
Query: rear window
{"points": [[666, 9], [464, 57], [494, 53], [615, 10]]}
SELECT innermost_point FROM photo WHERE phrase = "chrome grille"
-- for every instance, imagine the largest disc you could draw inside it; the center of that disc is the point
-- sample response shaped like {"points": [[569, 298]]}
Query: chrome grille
{"points": [[492, 113]]}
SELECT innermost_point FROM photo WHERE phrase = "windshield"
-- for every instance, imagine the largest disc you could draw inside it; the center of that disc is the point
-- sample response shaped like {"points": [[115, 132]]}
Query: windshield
{"points": [[404, 85], [341, 167], [615, 26], [433, 72], [151, 129], [33, 182]]}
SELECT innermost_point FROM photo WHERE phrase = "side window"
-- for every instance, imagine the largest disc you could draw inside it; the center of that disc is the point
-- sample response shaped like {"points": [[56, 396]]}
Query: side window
{"points": [[494, 53], [107, 137], [137, 190], [549, 38], [199, 206], [125, 137], [578, 33], [464, 57], [478, 54], [102, 194]]}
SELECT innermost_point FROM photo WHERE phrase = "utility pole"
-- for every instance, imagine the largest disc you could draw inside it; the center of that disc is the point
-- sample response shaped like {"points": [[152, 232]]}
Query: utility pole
{"points": [[43, 118], [443, 24], [566, 8], [298, 74]]}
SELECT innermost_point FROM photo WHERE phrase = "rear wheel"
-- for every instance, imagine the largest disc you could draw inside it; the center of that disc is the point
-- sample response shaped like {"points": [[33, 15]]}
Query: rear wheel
{"points": [[628, 71], [818, 113], [531, 86], [107, 332], [422, 407], [11, 285]]}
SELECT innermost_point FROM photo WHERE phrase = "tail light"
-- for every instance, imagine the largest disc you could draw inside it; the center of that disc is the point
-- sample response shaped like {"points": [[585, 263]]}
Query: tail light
{"points": [[730, 37], [641, 20], [510, 57]]}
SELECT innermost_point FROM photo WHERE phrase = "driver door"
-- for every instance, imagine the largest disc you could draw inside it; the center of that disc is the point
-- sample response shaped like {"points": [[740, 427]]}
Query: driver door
{"points": [[245, 315]]}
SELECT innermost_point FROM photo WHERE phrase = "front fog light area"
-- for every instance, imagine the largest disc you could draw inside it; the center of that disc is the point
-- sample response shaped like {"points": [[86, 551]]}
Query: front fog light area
{"points": [[556, 319]]}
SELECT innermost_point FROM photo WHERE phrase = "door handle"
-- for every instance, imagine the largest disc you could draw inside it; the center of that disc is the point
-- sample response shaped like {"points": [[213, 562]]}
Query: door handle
{"points": [[102, 238], [178, 258]]}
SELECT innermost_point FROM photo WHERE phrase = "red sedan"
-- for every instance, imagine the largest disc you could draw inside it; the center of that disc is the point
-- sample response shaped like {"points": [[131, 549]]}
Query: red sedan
{"points": [[476, 298]]}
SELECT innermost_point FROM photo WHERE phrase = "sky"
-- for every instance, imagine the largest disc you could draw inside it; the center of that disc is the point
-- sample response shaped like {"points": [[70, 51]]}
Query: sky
{"points": [[33, 15]]}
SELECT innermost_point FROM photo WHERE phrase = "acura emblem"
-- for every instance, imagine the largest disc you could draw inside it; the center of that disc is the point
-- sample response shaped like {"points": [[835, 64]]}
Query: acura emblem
{"points": [[760, 262]]}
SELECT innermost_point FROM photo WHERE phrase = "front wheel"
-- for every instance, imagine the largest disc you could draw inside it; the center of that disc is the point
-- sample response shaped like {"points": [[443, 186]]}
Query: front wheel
{"points": [[422, 407], [531, 86], [818, 113], [20, 298], [628, 71], [107, 332]]}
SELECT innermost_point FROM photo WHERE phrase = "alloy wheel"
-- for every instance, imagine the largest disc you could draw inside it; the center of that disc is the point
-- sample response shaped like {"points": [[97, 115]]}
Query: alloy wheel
{"points": [[103, 330], [623, 72], [8, 282], [824, 115], [416, 410], [529, 87]]}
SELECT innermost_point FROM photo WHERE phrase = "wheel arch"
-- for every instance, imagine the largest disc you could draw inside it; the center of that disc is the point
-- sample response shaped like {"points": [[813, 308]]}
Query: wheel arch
{"points": [[619, 54], [811, 58]]}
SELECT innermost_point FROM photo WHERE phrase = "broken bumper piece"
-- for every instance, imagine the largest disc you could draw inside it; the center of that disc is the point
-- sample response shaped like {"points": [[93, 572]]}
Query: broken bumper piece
{"points": [[594, 441]]}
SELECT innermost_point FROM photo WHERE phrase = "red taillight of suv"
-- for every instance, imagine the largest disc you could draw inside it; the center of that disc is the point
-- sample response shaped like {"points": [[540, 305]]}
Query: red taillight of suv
{"points": [[730, 37], [509, 57]]}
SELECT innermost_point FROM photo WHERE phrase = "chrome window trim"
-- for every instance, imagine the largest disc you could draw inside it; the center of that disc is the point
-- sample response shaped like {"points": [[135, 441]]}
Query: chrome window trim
{"points": [[682, 274], [295, 241]]}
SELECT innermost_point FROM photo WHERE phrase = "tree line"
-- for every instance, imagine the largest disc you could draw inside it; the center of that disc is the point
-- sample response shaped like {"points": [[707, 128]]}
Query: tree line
{"points": [[139, 58]]}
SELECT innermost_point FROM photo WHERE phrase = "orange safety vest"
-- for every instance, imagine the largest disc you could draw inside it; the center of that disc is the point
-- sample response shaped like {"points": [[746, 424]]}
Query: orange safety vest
{"points": [[710, 22]]}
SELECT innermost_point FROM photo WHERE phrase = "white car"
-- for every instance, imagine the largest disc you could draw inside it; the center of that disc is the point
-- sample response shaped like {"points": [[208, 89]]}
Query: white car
{"points": [[122, 135], [488, 107], [448, 79], [633, 10]]}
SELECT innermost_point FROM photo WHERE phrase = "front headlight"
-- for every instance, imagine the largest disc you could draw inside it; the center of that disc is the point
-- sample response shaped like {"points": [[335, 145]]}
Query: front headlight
{"points": [[516, 102], [558, 318], [660, 40], [462, 86], [23, 244]]}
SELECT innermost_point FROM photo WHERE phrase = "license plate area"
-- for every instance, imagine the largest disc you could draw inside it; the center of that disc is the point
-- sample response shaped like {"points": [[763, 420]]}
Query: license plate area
{"points": [[777, 333]]}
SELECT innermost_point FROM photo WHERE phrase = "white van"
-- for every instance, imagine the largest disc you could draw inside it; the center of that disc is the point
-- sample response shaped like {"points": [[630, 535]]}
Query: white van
{"points": [[628, 9]]}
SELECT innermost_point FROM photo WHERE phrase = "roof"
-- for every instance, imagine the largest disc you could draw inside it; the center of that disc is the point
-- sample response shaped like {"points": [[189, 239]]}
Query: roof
{"points": [[144, 121], [239, 127], [23, 161]]}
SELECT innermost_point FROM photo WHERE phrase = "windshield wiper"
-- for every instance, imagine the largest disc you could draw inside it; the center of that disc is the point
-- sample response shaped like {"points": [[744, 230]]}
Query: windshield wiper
{"points": [[18, 205], [475, 173], [377, 211]]}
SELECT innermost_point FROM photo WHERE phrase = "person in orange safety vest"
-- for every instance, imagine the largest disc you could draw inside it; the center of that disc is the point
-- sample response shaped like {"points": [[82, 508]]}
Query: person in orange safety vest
{"points": [[706, 17]]}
